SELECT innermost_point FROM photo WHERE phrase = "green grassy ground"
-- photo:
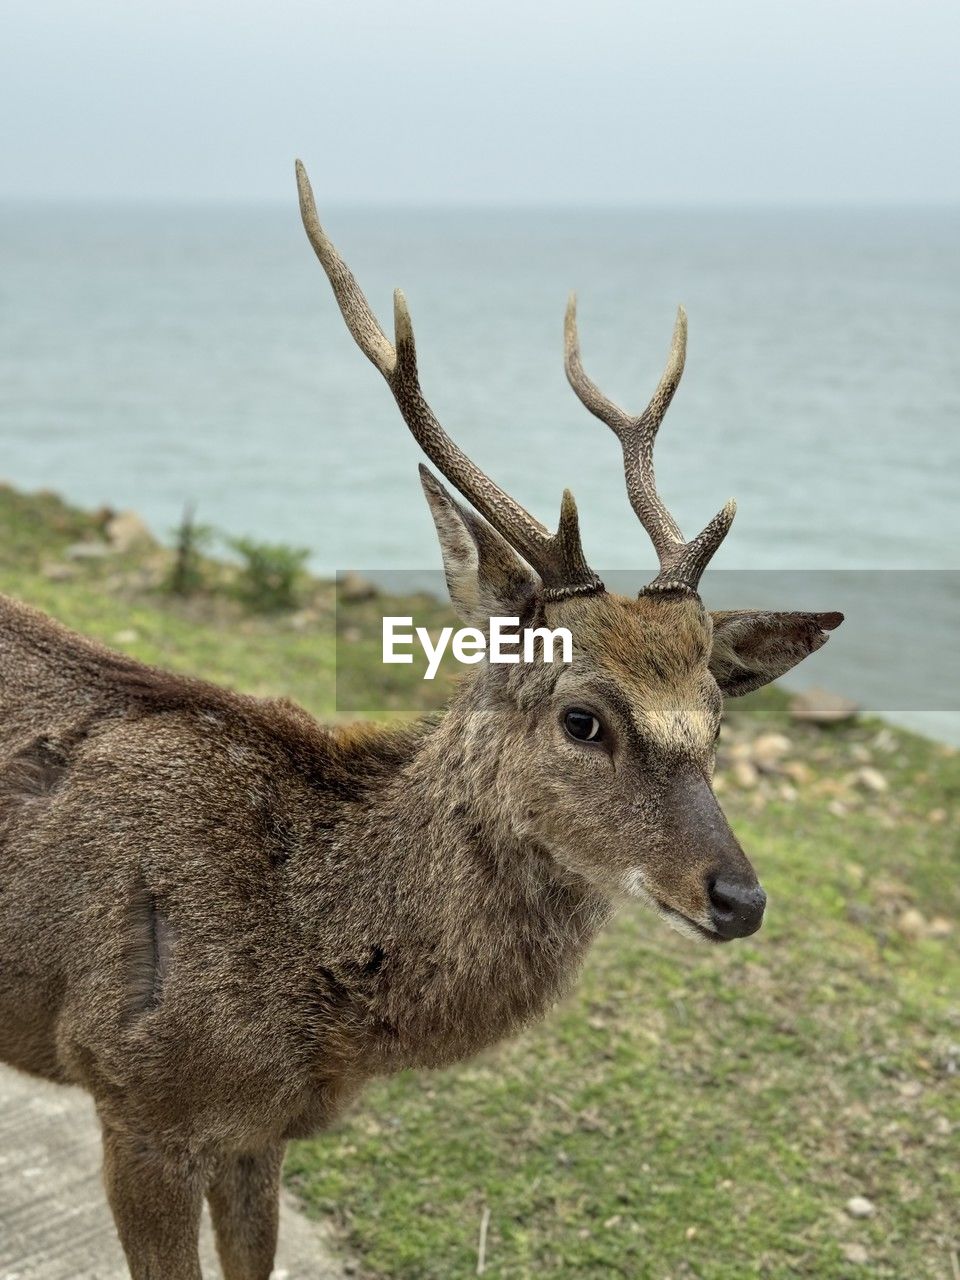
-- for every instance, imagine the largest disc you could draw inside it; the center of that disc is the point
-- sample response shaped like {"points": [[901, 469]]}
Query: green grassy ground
{"points": [[689, 1112]]}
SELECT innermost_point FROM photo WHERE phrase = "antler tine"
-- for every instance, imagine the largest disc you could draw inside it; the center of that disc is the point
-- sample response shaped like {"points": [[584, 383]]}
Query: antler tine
{"points": [[636, 434], [558, 558], [359, 318], [681, 563]]}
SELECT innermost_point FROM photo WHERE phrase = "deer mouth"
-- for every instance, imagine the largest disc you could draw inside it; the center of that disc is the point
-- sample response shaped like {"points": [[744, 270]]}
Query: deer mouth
{"points": [[685, 925]]}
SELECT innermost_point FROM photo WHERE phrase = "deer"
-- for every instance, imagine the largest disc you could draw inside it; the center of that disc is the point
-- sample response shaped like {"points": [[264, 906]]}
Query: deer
{"points": [[222, 918]]}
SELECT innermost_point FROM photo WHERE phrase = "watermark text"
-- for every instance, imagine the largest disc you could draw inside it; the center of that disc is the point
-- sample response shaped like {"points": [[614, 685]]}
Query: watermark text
{"points": [[505, 643]]}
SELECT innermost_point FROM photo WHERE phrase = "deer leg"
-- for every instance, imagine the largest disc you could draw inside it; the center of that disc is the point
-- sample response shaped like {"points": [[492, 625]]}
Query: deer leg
{"points": [[244, 1196], [156, 1203]]}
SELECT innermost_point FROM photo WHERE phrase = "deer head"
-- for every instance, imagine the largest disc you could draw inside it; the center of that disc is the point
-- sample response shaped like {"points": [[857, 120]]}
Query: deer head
{"points": [[605, 762]]}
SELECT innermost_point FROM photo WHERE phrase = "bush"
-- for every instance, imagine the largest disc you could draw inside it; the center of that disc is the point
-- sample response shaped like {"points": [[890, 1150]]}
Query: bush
{"points": [[270, 574], [190, 542]]}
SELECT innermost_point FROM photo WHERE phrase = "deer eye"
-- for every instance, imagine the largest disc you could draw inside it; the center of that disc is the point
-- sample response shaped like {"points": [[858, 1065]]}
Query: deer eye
{"points": [[582, 725]]}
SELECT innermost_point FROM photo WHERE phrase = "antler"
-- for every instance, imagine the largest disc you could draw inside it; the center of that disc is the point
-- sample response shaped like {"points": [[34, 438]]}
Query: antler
{"points": [[558, 558], [681, 563]]}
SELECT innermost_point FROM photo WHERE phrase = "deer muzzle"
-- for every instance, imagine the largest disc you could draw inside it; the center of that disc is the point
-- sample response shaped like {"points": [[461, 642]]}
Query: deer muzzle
{"points": [[719, 890]]}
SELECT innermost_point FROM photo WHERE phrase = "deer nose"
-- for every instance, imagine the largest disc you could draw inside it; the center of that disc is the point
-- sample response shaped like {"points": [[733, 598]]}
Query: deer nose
{"points": [[736, 908]]}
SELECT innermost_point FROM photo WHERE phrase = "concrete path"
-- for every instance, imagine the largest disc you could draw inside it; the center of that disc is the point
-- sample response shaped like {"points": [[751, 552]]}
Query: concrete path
{"points": [[54, 1221]]}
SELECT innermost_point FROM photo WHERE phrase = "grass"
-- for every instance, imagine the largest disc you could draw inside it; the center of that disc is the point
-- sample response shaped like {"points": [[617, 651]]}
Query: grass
{"points": [[688, 1112]]}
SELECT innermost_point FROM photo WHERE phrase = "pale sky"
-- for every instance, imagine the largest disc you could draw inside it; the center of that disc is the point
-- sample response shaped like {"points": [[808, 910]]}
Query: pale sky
{"points": [[482, 101]]}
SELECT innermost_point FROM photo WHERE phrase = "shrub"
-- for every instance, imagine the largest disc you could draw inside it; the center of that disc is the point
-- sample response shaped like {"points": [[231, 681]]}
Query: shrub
{"points": [[190, 542], [270, 574]]}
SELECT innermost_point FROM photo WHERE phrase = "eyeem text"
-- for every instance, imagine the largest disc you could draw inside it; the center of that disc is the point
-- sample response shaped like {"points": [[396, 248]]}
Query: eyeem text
{"points": [[505, 643]]}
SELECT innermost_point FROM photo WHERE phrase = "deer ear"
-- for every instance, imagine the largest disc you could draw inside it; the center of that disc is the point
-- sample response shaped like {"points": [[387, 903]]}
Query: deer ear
{"points": [[751, 648], [485, 576]]}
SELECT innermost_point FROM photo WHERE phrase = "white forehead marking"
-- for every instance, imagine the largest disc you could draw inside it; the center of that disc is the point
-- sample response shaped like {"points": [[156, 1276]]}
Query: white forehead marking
{"points": [[678, 725]]}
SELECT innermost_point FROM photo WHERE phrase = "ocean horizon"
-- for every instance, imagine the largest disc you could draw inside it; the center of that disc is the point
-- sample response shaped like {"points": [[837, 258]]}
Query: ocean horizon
{"points": [[195, 353]]}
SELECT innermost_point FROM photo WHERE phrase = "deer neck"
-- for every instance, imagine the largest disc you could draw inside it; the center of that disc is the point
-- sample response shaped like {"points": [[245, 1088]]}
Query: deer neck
{"points": [[482, 929]]}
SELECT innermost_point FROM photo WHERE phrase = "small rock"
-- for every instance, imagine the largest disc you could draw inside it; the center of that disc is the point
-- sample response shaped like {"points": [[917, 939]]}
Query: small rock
{"points": [[127, 636], [56, 571], [353, 589], [891, 892], [937, 817], [799, 772], [912, 923], [871, 780], [834, 787], [819, 706], [838, 808], [87, 550], [855, 1253], [768, 750], [745, 774], [860, 1207], [787, 793], [127, 532], [939, 927]]}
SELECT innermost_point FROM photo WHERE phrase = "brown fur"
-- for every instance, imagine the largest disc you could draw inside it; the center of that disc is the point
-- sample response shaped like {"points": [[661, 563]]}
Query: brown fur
{"points": [[221, 918]]}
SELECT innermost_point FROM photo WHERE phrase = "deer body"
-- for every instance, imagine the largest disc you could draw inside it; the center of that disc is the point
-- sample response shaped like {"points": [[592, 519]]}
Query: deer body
{"points": [[273, 902], [221, 918]]}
